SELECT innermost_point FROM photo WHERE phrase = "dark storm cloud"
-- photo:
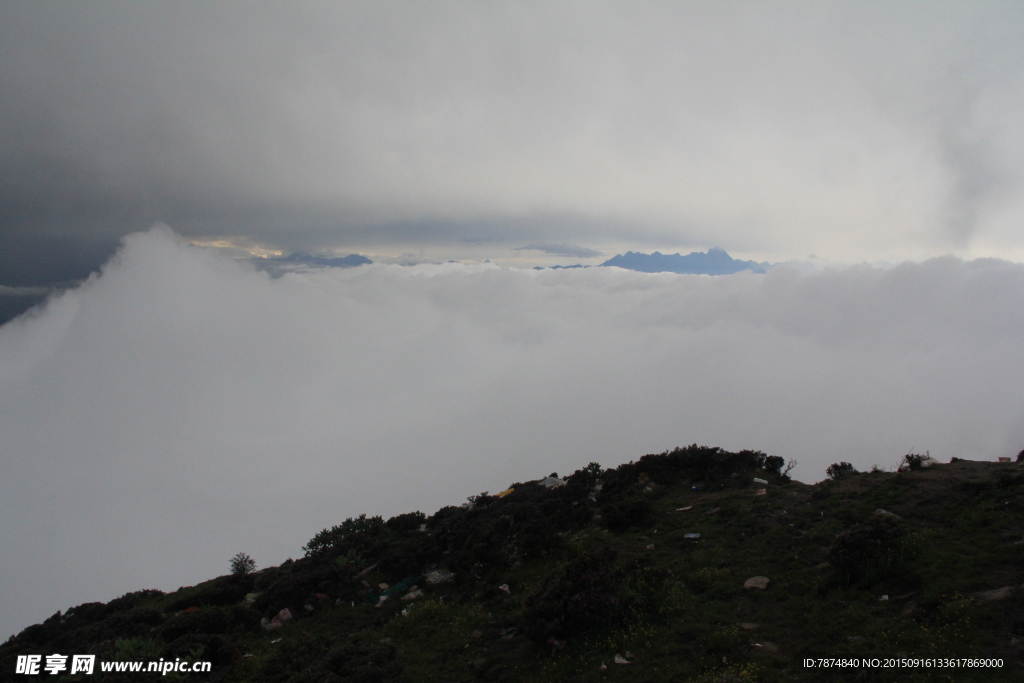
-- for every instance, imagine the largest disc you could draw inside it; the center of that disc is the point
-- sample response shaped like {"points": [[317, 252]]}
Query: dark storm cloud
{"points": [[782, 128]]}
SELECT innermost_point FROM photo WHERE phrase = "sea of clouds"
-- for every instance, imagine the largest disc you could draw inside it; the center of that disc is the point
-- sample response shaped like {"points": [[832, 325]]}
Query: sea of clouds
{"points": [[182, 406]]}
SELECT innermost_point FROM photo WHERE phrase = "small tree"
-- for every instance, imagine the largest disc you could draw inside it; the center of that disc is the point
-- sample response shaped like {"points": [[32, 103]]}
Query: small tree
{"points": [[912, 461], [242, 564], [1020, 457], [838, 469]]}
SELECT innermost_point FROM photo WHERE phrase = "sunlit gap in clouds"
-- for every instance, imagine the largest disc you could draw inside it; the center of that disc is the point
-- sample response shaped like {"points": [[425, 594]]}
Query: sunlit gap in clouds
{"points": [[183, 406]]}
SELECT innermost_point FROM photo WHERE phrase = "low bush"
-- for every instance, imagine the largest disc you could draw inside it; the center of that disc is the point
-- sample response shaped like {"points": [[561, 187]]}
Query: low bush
{"points": [[774, 464], [871, 551], [580, 597], [362, 534], [410, 521], [838, 469], [912, 461]]}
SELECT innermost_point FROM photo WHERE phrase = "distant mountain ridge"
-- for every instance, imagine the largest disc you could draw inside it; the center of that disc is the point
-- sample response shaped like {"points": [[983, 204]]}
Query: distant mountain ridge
{"points": [[715, 262]]}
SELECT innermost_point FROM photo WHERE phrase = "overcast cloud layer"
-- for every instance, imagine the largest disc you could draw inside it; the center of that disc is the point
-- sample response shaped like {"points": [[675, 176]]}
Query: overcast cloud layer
{"points": [[856, 131], [184, 406]]}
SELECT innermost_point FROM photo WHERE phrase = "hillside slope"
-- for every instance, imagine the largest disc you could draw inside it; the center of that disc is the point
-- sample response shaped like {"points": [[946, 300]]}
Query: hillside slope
{"points": [[556, 584]]}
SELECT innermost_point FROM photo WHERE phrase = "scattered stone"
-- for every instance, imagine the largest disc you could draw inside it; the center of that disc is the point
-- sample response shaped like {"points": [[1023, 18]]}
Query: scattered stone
{"points": [[505, 589], [761, 492], [712, 511], [759, 582], [760, 481], [250, 598], [883, 598], [308, 607], [439, 576], [619, 659], [692, 536], [650, 546], [280, 618], [885, 513], [413, 594], [383, 586], [996, 594], [688, 507]]}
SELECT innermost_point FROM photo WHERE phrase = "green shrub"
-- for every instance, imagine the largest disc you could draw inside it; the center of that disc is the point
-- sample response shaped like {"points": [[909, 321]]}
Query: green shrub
{"points": [[227, 590], [871, 551], [912, 461], [774, 463], [242, 564], [410, 521], [578, 598], [361, 534], [838, 469]]}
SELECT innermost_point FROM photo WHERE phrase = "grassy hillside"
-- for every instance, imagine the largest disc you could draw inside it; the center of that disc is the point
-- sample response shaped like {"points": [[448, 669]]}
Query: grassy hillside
{"points": [[556, 584]]}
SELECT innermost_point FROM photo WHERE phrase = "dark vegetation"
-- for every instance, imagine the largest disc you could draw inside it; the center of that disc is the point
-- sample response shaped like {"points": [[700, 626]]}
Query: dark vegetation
{"points": [[838, 469], [550, 584]]}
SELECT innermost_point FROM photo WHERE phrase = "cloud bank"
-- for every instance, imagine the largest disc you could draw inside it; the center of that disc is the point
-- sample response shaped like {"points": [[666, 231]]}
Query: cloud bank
{"points": [[183, 406]]}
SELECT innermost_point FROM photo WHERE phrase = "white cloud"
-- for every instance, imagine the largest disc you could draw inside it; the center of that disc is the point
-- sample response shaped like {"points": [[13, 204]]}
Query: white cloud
{"points": [[182, 406]]}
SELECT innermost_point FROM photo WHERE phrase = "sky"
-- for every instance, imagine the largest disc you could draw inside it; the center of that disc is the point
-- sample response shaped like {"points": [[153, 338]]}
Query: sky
{"points": [[180, 404], [515, 131]]}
